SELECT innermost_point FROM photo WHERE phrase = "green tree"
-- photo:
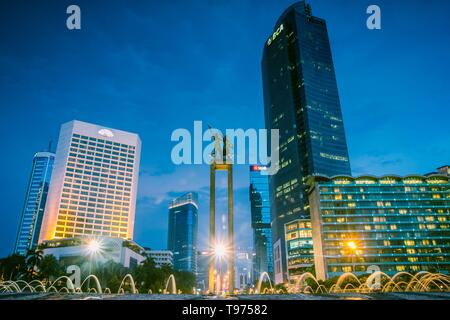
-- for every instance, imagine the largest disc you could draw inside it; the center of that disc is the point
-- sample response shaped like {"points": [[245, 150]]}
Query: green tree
{"points": [[33, 260], [185, 280], [111, 274], [149, 277], [328, 283], [49, 268], [12, 267]]}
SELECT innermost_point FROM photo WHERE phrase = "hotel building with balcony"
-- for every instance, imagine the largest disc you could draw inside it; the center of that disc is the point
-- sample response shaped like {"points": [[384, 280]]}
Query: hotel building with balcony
{"points": [[391, 222], [94, 182]]}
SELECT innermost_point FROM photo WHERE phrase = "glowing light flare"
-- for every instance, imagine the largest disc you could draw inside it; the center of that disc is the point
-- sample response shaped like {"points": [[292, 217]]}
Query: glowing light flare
{"points": [[220, 250], [94, 247], [351, 245]]}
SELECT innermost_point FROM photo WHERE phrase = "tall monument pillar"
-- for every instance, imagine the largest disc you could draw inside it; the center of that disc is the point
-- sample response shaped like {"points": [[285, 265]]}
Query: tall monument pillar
{"points": [[230, 229], [212, 227], [220, 163]]}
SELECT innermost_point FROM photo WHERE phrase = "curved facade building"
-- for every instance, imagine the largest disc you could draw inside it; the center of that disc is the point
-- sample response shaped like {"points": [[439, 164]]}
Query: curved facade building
{"points": [[301, 100], [182, 237], [390, 223]]}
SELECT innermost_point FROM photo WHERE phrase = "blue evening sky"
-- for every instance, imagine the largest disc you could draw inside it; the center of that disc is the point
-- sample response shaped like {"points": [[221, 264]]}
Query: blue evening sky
{"points": [[153, 66]]}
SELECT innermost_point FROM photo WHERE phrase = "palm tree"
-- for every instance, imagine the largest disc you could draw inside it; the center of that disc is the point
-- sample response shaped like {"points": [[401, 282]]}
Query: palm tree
{"points": [[111, 274], [49, 267], [12, 267], [33, 261]]}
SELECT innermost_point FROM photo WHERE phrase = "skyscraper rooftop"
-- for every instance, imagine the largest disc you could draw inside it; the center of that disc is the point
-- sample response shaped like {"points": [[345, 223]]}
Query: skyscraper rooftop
{"points": [[190, 197]]}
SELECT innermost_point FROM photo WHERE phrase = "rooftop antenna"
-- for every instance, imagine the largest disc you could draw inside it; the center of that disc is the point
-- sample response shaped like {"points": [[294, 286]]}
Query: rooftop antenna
{"points": [[49, 149], [308, 10]]}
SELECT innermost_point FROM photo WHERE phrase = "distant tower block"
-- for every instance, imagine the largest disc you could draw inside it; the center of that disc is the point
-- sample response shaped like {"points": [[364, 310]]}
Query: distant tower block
{"points": [[221, 162]]}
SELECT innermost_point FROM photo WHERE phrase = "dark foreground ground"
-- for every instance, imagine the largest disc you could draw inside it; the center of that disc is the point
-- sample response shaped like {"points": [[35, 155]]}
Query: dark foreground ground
{"points": [[346, 296]]}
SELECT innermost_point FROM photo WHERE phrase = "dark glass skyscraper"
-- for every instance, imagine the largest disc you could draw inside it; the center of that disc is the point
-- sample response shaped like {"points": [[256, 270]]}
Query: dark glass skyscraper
{"points": [[35, 199], [182, 238], [262, 233], [301, 100]]}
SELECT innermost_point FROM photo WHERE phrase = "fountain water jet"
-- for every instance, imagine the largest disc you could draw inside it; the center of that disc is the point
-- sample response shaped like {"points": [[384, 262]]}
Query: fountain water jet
{"points": [[171, 279], [301, 284], [97, 283], [69, 283], [261, 278], [423, 281], [133, 285], [350, 275], [39, 285]]}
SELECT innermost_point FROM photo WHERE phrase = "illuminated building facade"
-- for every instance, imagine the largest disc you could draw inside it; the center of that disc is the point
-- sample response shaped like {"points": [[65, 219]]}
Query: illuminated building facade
{"points": [[183, 228], [160, 257], [94, 183], [394, 223], [260, 218], [35, 199], [77, 251], [299, 246], [301, 100], [243, 269], [203, 258]]}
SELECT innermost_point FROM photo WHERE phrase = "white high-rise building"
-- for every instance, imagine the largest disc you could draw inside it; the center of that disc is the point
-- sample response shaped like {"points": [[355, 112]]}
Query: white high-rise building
{"points": [[94, 183], [161, 257]]}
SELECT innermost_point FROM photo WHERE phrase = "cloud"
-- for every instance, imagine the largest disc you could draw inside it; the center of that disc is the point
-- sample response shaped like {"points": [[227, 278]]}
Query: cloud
{"points": [[159, 187], [381, 164], [156, 189]]}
